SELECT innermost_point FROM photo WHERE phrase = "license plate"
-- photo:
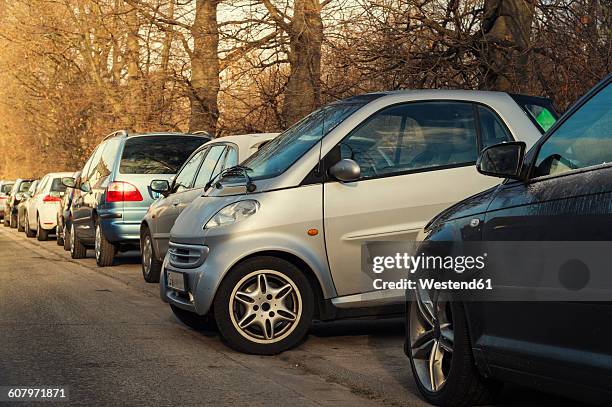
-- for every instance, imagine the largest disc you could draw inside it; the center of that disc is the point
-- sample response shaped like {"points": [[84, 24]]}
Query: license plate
{"points": [[176, 280]]}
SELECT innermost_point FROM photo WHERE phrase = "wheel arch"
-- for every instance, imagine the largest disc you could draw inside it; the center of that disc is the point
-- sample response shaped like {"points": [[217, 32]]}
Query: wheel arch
{"points": [[297, 262]]}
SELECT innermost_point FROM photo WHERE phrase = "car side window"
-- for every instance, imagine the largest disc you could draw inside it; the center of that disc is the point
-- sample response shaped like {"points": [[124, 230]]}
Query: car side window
{"points": [[33, 188], [211, 166], [413, 136], [583, 140], [184, 178], [97, 169], [92, 164], [231, 157], [83, 176], [492, 130]]}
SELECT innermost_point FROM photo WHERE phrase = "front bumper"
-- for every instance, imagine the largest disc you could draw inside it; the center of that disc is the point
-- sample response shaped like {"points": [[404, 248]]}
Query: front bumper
{"points": [[201, 284]]}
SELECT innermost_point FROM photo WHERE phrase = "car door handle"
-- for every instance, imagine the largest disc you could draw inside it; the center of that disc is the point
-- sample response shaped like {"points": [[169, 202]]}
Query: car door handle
{"points": [[176, 202]]}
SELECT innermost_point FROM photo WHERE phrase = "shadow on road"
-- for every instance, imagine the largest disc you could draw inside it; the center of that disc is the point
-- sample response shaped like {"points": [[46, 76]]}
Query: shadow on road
{"points": [[378, 327]]}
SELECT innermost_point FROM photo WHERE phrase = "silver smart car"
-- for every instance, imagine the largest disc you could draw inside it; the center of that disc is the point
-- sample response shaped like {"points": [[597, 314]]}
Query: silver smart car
{"points": [[277, 242]]}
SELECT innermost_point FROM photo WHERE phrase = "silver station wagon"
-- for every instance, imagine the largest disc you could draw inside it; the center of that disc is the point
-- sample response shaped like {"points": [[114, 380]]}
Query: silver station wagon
{"points": [[277, 242], [206, 163]]}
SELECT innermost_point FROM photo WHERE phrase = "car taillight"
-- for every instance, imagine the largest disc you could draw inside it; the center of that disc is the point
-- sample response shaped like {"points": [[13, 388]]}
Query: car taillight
{"points": [[49, 198], [120, 191]]}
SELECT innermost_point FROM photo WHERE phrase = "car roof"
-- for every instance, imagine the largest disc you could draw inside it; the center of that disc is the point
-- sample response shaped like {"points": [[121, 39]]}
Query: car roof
{"points": [[59, 174], [246, 143], [438, 94], [125, 133]]}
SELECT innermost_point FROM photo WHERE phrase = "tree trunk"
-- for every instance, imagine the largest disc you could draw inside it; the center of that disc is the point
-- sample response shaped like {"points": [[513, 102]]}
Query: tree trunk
{"points": [[205, 68], [507, 29], [135, 90], [303, 91]]}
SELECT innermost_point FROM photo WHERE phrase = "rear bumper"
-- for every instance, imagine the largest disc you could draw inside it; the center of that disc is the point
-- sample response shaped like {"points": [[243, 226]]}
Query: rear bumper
{"points": [[122, 225], [47, 213]]}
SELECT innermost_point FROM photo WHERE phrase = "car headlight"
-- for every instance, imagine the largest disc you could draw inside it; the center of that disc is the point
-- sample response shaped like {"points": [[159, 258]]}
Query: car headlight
{"points": [[233, 213]]}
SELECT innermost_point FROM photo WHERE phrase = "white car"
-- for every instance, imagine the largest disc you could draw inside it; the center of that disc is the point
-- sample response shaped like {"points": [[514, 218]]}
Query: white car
{"points": [[41, 209]]}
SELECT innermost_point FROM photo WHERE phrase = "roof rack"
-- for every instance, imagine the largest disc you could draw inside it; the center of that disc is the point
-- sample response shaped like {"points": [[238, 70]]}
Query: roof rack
{"points": [[116, 133]]}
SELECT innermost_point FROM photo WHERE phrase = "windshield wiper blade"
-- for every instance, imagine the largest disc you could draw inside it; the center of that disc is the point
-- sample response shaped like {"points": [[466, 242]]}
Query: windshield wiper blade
{"points": [[234, 170]]}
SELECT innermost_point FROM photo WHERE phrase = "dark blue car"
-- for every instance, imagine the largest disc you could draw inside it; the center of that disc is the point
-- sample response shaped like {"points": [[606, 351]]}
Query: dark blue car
{"points": [[558, 194]]}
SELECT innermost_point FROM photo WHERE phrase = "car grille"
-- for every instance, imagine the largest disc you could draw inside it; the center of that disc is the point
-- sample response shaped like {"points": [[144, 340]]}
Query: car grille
{"points": [[186, 256]]}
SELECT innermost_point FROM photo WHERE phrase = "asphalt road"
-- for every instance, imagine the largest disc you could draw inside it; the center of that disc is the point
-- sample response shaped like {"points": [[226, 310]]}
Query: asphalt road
{"points": [[105, 334]]}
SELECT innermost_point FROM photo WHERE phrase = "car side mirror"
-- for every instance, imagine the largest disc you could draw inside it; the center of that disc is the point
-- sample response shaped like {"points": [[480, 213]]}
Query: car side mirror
{"points": [[345, 170], [84, 186], [502, 160], [161, 186], [69, 182]]}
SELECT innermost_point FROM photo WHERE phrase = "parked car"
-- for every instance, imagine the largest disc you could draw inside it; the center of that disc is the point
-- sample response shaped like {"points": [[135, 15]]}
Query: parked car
{"points": [[10, 206], [41, 208], [278, 243], [5, 190], [114, 192], [559, 191], [21, 208], [205, 164], [64, 213]]}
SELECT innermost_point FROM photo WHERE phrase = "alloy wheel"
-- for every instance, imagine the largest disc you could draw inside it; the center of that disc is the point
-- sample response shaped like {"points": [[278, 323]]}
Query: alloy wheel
{"points": [[72, 239], [431, 339], [265, 306], [147, 254], [98, 242]]}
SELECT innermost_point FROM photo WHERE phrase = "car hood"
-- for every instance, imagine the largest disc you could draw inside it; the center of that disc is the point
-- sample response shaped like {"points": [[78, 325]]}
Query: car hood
{"points": [[474, 205]]}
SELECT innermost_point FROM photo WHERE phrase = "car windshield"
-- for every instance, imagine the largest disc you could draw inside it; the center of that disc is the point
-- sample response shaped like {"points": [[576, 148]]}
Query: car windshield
{"points": [[25, 186], [57, 186], [278, 155]]}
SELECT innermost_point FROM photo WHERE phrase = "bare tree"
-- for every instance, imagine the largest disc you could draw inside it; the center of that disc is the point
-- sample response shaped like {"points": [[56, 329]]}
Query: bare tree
{"points": [[305, 32], [506, 26]]}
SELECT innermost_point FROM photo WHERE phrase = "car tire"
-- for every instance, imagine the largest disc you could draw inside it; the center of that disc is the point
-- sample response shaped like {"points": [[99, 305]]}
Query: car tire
{"points": [[105, 250], [77, 249], [29, 232], [14, 221], [264, 306], [458, 382], [60, 236], [193, 320], [66, 238], [20, 224], [42, 235], [151, 267]]}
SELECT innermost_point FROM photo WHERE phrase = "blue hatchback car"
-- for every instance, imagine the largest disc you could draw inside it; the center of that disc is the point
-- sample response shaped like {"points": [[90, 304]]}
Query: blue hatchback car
{"points": [[113, 193]]}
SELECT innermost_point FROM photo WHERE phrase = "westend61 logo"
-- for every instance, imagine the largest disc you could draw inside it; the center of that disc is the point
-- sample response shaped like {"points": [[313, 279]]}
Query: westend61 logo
{"points": [[422, 262]]}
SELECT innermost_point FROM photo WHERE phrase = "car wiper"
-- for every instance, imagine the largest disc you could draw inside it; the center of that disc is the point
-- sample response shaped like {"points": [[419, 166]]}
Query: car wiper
{"points": [[235, 170]]}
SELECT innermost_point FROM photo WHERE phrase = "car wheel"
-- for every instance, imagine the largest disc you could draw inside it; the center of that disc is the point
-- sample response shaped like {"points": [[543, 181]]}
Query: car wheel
{"points": [[14, 221], [105, 250], [60, 235], [20, 225], [41, 234], [66, 238], [29, 232], [264, 306], [151, 267], [193, 320], [440, 354], [77, 249]]}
